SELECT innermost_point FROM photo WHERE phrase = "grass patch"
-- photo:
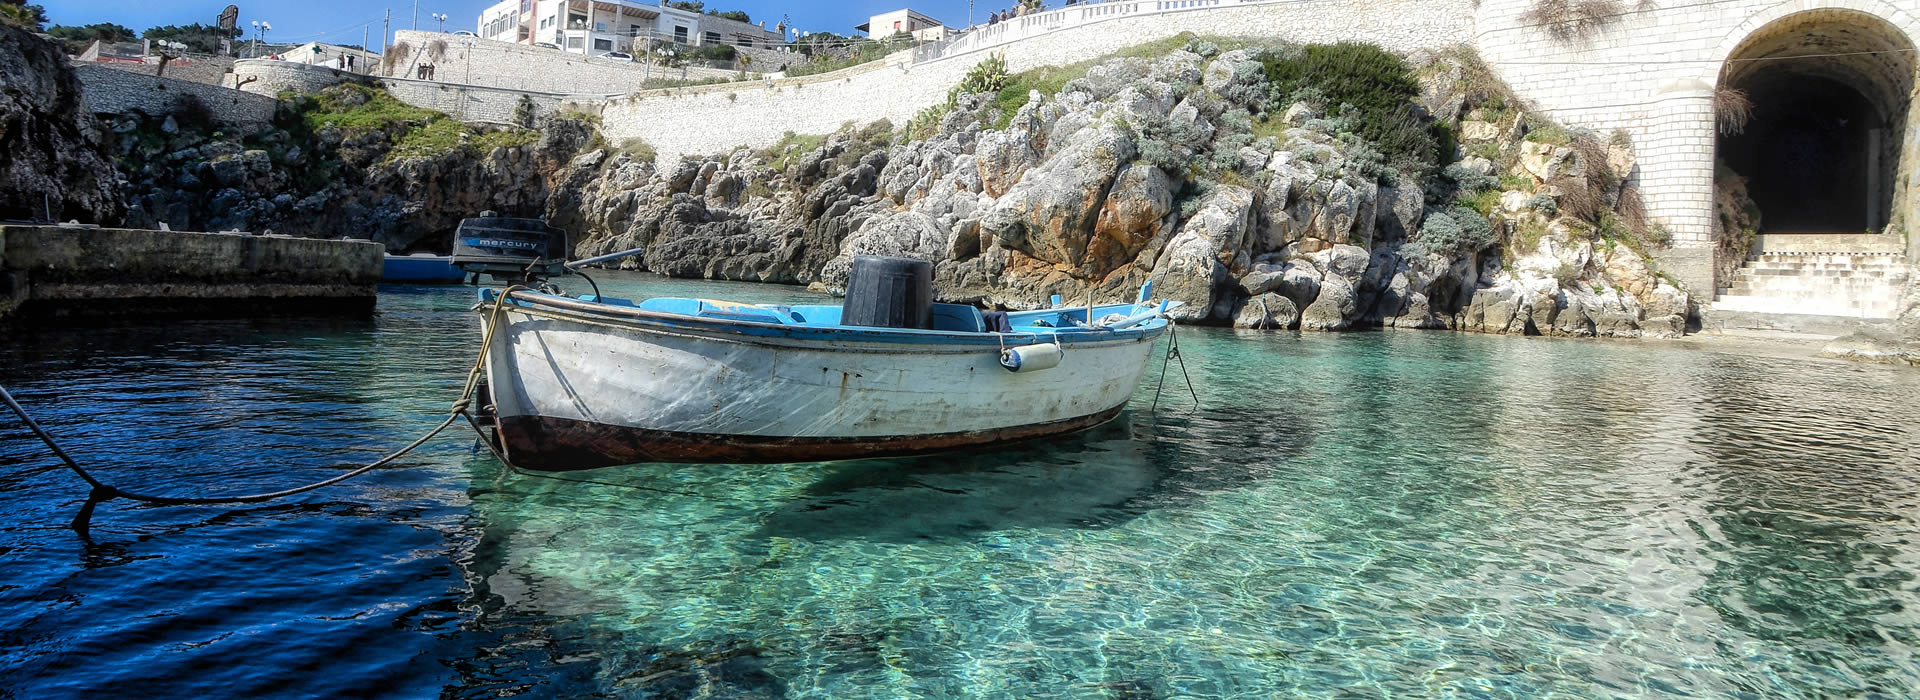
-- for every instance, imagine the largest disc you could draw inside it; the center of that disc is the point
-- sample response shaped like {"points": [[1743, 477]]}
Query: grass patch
{"points": [[1486, 202], [638, 148], [1548, 133], [1516, 182], [790, 148], [504, 138], [358, 107]]}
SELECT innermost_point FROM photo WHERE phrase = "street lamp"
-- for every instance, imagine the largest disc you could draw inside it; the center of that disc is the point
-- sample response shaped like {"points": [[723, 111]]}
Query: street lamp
{"points": [[260, 30], [442, 18]]}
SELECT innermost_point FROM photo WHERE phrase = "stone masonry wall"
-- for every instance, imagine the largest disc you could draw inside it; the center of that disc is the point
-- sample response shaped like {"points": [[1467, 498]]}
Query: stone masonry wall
{"points": [[117, 92], [269, 78], [211, 70], [500, 64], [470, 103], [759, 113]]}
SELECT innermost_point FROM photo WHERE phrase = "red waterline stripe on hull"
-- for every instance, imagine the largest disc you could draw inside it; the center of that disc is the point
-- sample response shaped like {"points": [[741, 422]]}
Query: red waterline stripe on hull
{"points": [[564, 444]]}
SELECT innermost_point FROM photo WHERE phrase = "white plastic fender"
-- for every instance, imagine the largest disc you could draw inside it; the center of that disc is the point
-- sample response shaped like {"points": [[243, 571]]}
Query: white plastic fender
{"points": [[1032, 358]]}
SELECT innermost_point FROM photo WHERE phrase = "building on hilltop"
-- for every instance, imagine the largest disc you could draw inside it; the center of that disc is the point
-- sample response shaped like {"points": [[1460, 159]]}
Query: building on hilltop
{"points": [[906, 21], [594, 27]]}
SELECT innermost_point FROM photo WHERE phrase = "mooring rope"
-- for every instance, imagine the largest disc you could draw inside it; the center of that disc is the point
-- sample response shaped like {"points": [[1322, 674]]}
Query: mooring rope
{"points": [[103, 491], [1173, 352]]}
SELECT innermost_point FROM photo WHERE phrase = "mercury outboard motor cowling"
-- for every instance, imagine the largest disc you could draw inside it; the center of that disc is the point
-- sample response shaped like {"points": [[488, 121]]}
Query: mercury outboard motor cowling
{"points": [[508, 248], [889, 293]]}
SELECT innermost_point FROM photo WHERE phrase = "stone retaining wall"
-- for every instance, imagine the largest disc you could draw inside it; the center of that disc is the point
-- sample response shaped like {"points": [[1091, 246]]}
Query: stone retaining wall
{"points": [[111, 91], [474, 104], [505, 65], [209, 70], [759, 113], [81, 271]]}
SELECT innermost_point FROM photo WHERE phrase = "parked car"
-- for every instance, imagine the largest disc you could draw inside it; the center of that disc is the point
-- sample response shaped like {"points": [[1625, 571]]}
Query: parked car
{"points": [[618, 56], [464, 32], [548, 45]]}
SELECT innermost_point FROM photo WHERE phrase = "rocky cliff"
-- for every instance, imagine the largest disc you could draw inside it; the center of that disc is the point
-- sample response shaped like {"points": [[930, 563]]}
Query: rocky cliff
{"points": [[1232, 179], [50, 145], [349, 161]]}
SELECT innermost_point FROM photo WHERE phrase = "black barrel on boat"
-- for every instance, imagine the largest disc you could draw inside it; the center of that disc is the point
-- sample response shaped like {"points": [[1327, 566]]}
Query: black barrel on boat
{"points": [[889, 293]]}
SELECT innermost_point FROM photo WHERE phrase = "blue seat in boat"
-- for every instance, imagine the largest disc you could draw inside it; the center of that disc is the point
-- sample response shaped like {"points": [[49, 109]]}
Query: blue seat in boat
{"points": [[957, 317]]}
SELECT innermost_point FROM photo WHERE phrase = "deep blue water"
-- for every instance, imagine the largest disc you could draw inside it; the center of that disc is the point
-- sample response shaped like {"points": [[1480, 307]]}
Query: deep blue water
{"points": [[1373, 514]]}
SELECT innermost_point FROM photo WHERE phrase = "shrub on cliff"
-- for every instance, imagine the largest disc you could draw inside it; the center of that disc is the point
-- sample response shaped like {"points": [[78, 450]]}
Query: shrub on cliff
{"points": [[1455, 232], [1380, 86]]}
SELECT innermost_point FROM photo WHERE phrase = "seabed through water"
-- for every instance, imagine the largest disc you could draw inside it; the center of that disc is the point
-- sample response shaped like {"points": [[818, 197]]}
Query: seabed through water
{"points": [[1370, 514]]}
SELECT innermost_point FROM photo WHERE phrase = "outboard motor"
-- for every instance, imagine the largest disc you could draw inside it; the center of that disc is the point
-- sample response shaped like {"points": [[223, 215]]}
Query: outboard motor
{"points": [[510, 250], [889, 293]]}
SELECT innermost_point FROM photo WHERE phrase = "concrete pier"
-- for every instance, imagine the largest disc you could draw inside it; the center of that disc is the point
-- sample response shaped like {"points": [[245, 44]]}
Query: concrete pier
{"points": [[55, 271]]}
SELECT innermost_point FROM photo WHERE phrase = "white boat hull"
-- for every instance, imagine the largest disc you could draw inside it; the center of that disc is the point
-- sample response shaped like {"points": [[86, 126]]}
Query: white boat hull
{"points": [[574, 389]]}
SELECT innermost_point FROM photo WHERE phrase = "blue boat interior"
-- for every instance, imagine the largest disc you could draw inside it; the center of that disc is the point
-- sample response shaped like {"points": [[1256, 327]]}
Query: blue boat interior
{"points": [[947, 318], [952, 318]]}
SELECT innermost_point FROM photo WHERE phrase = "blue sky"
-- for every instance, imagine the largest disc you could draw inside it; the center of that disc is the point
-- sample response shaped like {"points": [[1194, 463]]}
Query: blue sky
{"points": [[341, 21]]}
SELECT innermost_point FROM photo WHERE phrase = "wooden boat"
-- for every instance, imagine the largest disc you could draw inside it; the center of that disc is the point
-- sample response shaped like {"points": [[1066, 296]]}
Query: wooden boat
{"points": [[420, 268], [580, 383], [590, 381]]}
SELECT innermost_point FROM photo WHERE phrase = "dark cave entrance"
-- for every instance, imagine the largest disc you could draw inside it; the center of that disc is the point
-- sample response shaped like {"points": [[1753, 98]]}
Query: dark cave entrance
{"points": [[1811, 155]]}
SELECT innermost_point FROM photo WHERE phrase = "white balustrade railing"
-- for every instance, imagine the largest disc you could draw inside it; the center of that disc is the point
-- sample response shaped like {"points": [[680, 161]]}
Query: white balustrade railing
{"points": [[1028, 26]]}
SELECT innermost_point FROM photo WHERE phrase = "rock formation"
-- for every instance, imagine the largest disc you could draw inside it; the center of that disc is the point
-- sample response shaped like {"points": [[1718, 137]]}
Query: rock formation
{"points": [[347, 162], [50, 145], [1181, 171]]}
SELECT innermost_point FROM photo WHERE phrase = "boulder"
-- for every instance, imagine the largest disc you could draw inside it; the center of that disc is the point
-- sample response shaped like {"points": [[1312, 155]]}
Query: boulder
{"points": [[1267, 311]]}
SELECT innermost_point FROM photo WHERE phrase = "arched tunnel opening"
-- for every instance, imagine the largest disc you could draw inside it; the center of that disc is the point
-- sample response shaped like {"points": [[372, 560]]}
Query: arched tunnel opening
{"points": [[1823, 145]]}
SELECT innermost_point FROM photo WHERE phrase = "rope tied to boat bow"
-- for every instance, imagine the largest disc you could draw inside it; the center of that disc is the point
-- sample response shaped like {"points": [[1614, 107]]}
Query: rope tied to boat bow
{"points": [[103, 491]]}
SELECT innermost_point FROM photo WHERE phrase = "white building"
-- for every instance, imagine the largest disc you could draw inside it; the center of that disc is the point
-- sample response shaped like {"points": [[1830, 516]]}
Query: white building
{"points": [[597, 26], [922, 27]]}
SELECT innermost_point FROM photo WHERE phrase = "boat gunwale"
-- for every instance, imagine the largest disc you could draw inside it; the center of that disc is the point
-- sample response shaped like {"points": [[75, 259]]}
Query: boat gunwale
{"points": [[879, 339]]}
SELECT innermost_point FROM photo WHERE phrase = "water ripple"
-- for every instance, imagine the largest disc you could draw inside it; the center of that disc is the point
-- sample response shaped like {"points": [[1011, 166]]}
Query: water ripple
{"points": [[1408, 514]]}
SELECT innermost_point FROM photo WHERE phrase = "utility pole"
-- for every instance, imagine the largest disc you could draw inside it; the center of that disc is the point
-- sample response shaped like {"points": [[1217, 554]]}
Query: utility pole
{"points": [[416, 15], [385, 22], [365, 29]]}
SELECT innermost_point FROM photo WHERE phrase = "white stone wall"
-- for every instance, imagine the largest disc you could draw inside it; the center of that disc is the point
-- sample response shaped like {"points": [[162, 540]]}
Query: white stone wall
{"points": [[474, 104], [268, 77], [119, 92], [500, 64], [760, 113]]}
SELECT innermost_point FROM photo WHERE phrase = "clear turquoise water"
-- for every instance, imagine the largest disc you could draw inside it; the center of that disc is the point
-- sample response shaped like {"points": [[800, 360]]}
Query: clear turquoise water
{"points": [[1400, 514]]}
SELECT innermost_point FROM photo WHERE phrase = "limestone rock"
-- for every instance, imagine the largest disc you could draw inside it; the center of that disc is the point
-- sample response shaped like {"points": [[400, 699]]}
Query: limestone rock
{"points": [[1267, 311]]}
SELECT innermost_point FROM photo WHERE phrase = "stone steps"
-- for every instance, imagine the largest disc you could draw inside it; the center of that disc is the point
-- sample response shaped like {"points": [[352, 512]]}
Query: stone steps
{"points": [[1861, 285]]}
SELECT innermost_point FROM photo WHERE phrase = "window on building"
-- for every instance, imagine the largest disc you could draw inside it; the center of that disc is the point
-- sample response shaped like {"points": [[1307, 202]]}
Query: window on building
{"points": [[680, 35], [744, 41], [599, 26], [603, 44], [576, 21], [633, 30], [896, 26], [575, 42], [710, 38]]}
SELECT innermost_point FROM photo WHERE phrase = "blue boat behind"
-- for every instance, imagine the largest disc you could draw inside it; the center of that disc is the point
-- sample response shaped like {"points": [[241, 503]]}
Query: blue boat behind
{"points": [[421, 269]]}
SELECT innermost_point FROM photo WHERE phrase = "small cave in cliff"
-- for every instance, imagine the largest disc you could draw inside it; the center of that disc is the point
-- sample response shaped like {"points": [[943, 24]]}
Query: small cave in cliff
{"points": [[1822, 147]]}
